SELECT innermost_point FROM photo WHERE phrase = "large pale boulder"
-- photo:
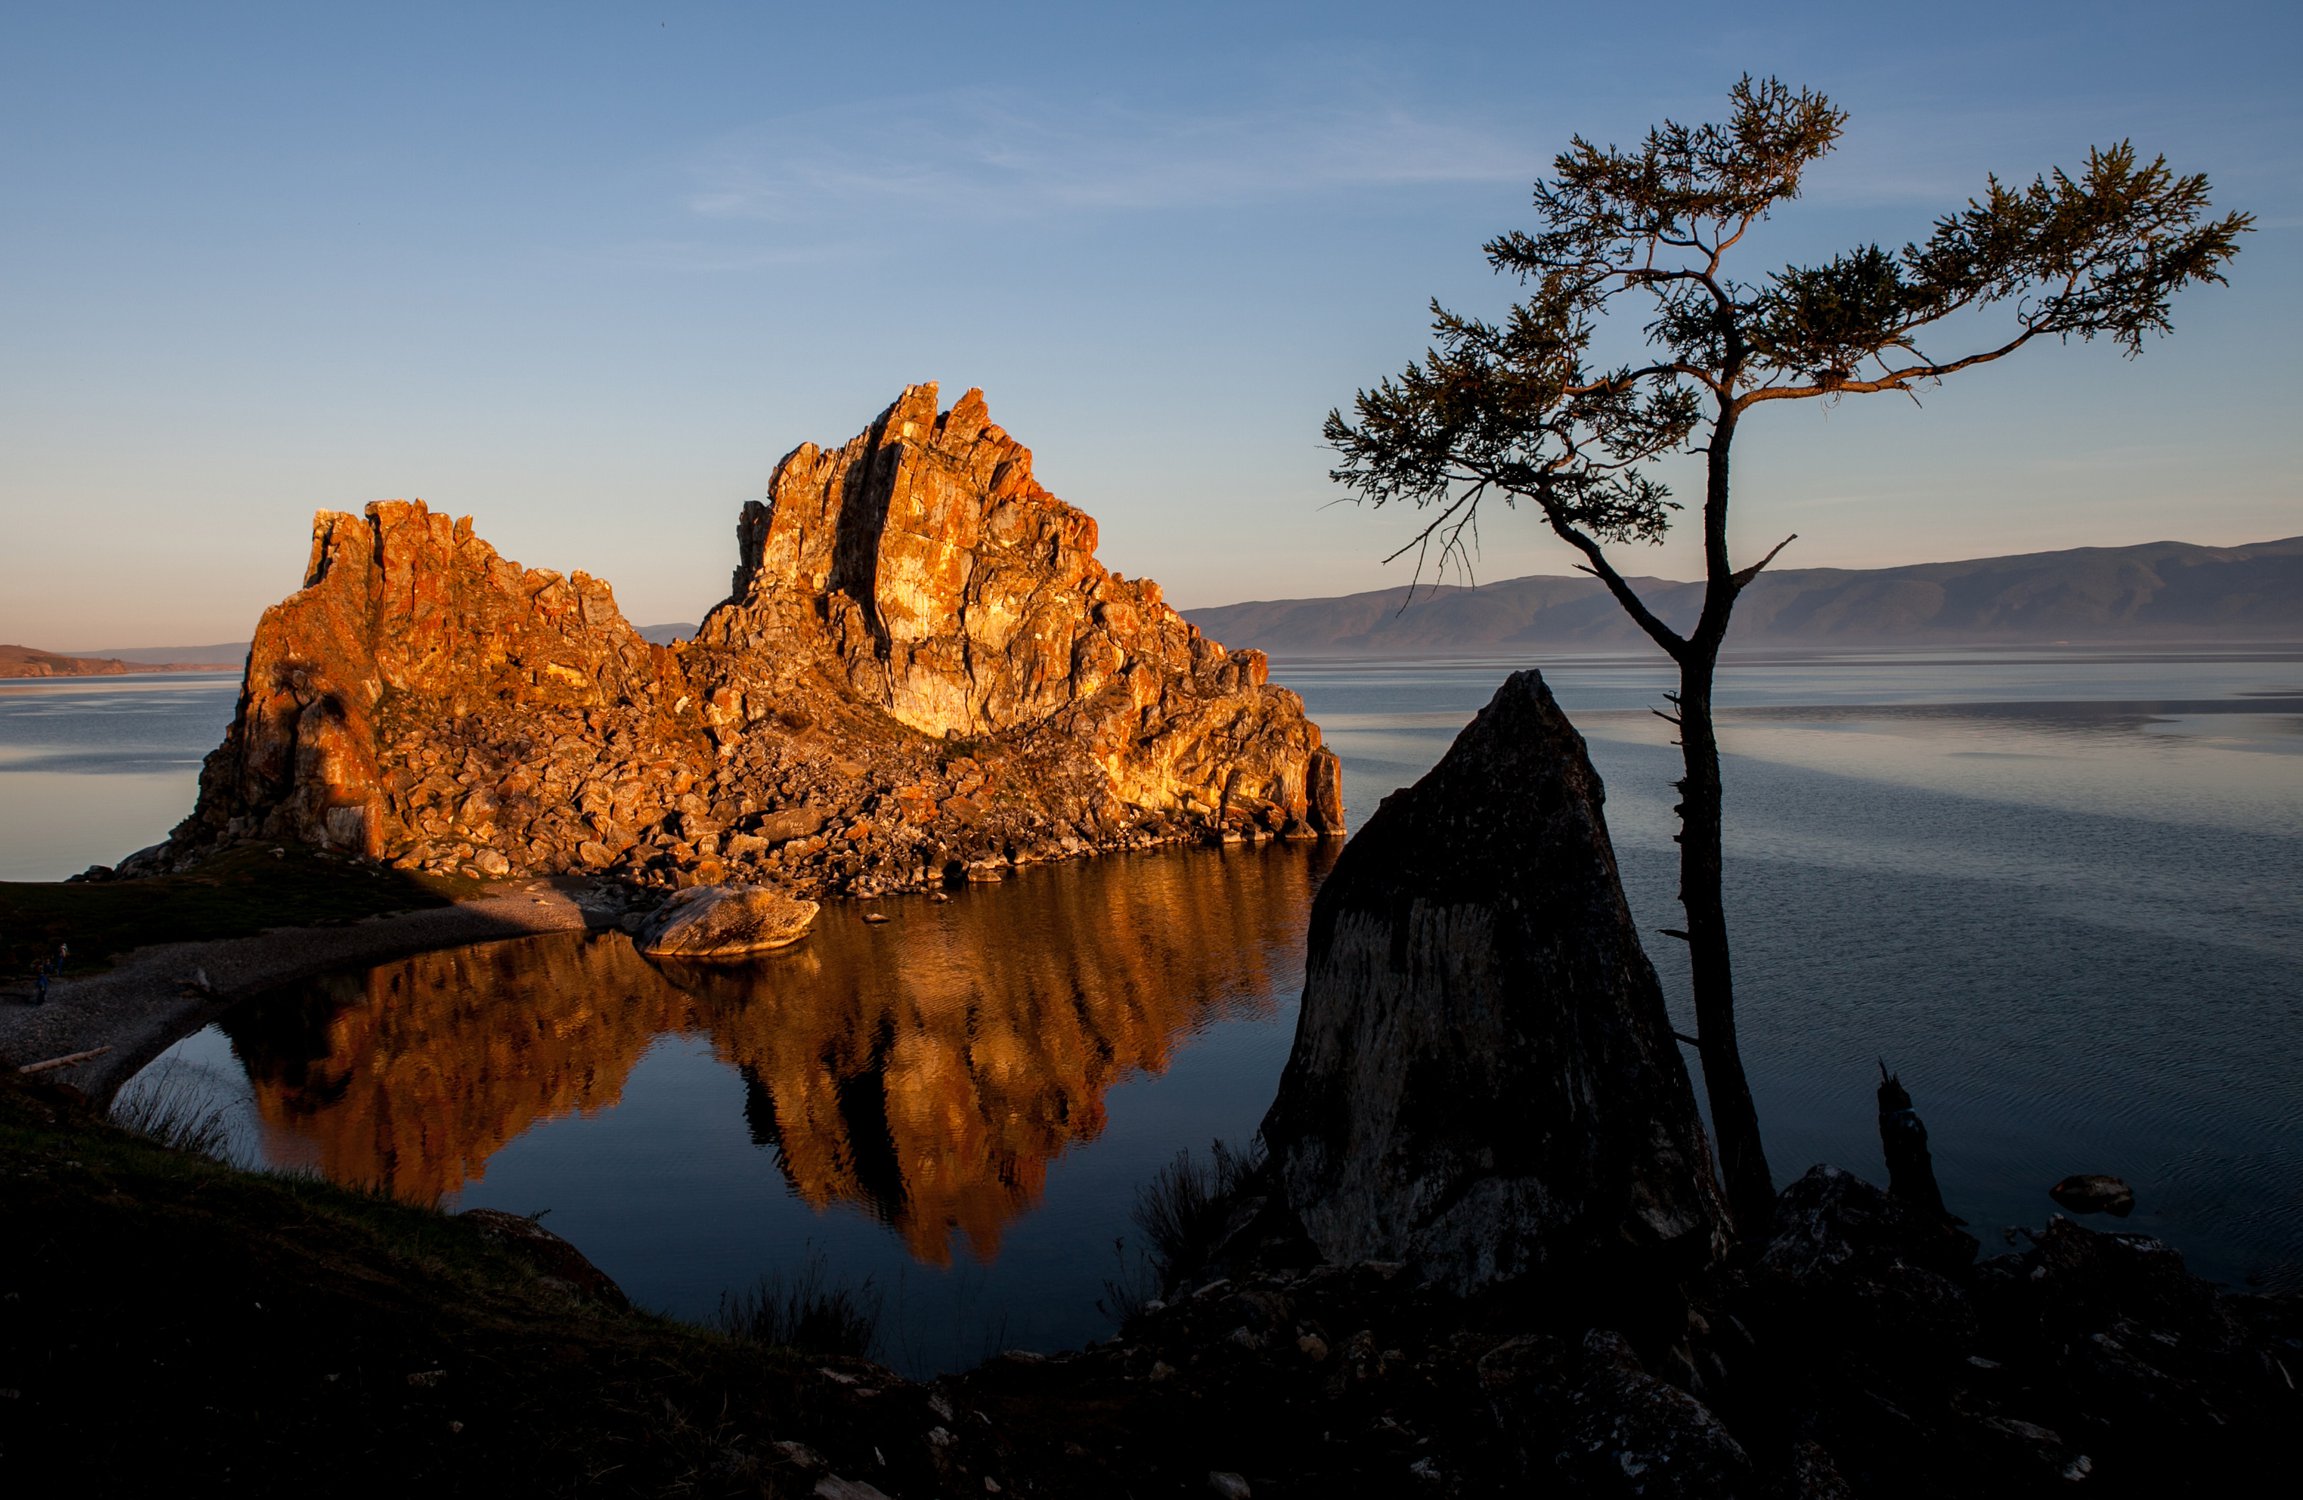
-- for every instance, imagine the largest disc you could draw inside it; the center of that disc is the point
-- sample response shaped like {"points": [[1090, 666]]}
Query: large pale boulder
{"points": [[1484, 1080], [725, 921]]}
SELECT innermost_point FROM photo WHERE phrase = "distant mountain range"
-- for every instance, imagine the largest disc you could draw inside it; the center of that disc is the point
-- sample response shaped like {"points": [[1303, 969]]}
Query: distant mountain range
{"points": [[30, 661], [2157, 592]]}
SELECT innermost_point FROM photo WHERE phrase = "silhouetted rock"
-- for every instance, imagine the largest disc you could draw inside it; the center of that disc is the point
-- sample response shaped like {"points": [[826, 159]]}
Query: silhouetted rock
{"points": [[2092, 1363], [923, 671], [1484, 1079], [552, 1256], [2094, 1193], [1903, 1140], [1849, 1262], [1588, 1419]]}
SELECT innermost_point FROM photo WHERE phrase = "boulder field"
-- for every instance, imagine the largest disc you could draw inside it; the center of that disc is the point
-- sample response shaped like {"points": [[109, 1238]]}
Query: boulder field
{"points": [[922, 673]]}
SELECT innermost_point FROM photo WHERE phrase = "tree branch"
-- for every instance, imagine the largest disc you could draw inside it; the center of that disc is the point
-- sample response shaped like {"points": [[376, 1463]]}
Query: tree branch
{"points": [[1742, 578], [1450, 544], [1630, 378], [1600, 568], [1893, 380]]}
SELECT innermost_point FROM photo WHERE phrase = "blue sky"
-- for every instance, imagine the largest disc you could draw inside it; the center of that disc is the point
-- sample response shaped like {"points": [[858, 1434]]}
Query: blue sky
{"points": [[586, 271]]}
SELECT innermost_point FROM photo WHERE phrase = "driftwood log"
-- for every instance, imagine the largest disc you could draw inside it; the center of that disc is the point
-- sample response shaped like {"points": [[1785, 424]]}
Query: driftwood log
{"points": [[66, 1061]]}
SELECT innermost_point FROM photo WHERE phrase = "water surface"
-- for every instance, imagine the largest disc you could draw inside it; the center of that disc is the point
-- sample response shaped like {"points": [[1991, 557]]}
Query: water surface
{"points": [[94, 768], [2056, 891]]}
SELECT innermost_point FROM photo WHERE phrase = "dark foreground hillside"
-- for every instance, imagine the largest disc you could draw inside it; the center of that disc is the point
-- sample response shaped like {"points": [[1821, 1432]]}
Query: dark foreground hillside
{"points": [[171, 1325]]}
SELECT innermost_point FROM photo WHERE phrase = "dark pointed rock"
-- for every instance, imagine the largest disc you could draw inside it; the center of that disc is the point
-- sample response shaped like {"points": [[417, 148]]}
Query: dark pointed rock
{"points": [[1484, 1079]]}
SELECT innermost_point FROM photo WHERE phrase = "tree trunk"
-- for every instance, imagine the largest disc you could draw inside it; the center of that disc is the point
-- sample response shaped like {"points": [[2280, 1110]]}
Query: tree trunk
{"points": [[1734, 1121]]}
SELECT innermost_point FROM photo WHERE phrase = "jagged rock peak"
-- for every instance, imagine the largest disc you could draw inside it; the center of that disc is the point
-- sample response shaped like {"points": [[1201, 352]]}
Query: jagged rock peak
{"points": [[964, 599], [1484, 1080]]}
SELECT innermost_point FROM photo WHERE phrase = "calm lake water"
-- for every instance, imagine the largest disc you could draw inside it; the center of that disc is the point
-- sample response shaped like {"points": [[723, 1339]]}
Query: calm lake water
{"points": [[2058, 892]]}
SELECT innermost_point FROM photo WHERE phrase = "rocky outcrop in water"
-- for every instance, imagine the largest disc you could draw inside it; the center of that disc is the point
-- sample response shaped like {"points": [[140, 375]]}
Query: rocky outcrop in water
{"points": [[1484, 1080], [724, 921], [923, 672]]}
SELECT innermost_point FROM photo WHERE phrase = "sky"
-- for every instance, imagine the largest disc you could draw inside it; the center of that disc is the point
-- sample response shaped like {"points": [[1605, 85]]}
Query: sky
{"points": [[586, 271]]}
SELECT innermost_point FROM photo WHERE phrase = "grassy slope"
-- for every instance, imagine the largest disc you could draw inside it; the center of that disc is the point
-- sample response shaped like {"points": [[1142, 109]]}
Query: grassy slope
{"points": [[169, 1324], [237, 893]]}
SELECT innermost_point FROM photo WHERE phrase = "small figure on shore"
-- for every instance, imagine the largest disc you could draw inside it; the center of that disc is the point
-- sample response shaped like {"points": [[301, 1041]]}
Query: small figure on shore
{"points": [[63, 954], [40, 984]]}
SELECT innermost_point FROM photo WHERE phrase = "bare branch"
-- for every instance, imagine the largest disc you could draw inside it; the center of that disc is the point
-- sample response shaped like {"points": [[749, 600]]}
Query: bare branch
{"points": [[1894, 380], [1663, 635], [1743, 578]]}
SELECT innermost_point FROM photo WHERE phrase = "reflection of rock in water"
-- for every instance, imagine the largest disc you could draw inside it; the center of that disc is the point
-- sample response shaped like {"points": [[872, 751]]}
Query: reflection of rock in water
{"points": [[411, 1076], [927, 1070]]}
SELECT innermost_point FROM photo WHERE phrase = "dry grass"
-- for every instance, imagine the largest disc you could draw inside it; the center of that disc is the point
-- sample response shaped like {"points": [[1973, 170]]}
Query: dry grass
{"points": [[806, 1310], [177, 1106], [1182, 1211]]}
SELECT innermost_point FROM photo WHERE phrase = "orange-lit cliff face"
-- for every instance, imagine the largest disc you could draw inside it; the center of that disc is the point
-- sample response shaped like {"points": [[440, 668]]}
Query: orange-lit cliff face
{"points": [[923, 666], [927, 1069]]}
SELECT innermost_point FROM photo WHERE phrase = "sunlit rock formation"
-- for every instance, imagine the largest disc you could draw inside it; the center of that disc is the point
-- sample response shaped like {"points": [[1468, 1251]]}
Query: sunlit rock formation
{"points": [[926, 1071], [923, 670], [422, 698], [965, 600], [1484, 1080]]}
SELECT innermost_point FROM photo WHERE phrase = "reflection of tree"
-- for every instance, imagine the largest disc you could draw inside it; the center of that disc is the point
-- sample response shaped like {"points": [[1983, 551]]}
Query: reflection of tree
{"points": [[928, 1069]]}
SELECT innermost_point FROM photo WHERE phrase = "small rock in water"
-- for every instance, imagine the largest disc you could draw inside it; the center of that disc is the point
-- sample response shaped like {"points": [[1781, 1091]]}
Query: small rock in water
{"points": [[2094, 1193], [725, 921]]}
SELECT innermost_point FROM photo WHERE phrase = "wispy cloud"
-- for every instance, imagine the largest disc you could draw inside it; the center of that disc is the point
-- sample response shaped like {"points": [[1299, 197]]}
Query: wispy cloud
{"points": [[996, 156], [702, 255]]}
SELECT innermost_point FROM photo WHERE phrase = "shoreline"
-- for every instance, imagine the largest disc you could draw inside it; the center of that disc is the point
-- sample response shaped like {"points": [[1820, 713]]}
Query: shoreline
{"points": [[148, 1000]]}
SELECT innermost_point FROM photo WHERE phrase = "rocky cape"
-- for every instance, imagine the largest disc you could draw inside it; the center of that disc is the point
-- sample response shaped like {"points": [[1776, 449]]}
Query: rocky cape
{"points": [[30, 661], [922, 674]]}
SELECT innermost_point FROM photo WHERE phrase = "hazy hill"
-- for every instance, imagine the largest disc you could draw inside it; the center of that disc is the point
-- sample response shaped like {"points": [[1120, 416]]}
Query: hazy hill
{"points": [[223, 654], [2160, 591], [29, 661]]}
